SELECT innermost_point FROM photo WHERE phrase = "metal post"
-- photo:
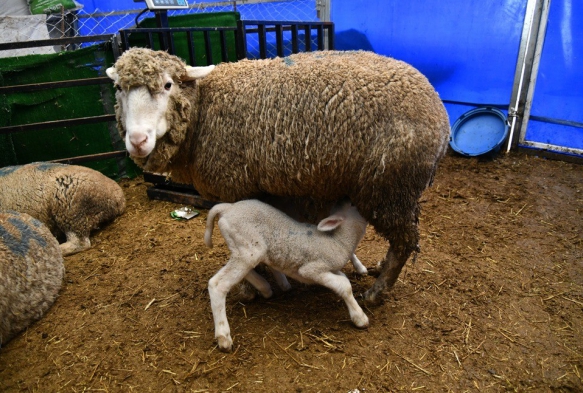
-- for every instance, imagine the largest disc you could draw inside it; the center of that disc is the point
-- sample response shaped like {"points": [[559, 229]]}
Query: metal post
{"points": [[162, 21], [323, 13], [531, 43]]}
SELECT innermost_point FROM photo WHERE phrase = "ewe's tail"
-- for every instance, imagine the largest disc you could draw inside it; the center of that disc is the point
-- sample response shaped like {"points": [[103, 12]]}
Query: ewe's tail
{"points": [[217, 210]]}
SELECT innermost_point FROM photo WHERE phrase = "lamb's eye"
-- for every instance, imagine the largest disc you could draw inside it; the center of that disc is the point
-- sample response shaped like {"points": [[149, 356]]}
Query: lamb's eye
{"points": [[168, 86], [118, 87]]}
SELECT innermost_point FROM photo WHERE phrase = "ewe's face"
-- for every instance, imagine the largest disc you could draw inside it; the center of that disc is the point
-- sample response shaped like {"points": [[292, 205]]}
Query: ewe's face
{"points": [[143, 109], [144, 115]]}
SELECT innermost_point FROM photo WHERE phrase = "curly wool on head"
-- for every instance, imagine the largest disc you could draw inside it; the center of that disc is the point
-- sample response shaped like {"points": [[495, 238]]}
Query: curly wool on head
{"points": [[148, 70]]}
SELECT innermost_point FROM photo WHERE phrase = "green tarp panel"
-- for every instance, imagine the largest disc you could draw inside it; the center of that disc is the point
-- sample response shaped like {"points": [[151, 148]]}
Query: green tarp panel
{"points": [[60, 104], [213, 19]]}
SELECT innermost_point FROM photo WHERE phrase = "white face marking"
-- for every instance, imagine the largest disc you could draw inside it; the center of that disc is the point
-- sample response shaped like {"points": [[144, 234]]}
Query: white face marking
{"points": [[144, 116]]}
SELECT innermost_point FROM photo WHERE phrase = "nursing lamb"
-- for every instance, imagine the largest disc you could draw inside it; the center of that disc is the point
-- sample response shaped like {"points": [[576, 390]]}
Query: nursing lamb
{"points": [[256, 232], [320, 126]]}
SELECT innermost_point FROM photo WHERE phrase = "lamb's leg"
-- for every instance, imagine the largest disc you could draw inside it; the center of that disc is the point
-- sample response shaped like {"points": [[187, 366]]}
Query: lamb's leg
{"points": [[280, 279], [358, 266], [340, 284], [259, 283], [219, 286], [75, 244]]}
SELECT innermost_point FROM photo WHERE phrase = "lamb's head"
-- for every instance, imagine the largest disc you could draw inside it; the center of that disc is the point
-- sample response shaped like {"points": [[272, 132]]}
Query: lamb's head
{"points": [[347, 215], [152, 112]]}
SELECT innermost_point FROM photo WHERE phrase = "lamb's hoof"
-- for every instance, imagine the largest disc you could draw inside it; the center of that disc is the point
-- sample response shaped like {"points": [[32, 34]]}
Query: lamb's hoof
{"points": [[361, 321], [225, 343], [362, 271], [267, 294], [286, 286]]}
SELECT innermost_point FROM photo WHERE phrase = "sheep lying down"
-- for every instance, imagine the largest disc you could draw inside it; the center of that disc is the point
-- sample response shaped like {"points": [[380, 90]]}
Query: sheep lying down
{"points": [[256, 232], [70, 200], [322, 126], [31, 272]]}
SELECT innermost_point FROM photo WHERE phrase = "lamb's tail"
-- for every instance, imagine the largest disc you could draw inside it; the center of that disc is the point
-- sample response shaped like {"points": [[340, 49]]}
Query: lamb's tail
{"points": [[217, 210]]}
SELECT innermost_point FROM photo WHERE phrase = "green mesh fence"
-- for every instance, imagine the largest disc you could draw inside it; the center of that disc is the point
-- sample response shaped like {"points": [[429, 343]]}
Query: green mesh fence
{"points": [[20, 108]]}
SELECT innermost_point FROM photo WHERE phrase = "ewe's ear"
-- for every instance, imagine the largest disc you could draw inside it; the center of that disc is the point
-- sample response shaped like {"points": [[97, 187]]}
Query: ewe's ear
{"points": [[112, 73], [330, 223], [193, 73]]}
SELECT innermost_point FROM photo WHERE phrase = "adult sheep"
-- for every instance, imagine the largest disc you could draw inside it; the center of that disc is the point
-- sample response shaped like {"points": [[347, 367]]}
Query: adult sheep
{"points": [[31, 272], [321, 126], [70, 200]]}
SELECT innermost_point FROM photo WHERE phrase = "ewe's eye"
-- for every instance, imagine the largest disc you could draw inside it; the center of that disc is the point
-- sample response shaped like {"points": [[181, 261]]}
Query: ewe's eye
{"points": [[168, 86], [118, 87]]}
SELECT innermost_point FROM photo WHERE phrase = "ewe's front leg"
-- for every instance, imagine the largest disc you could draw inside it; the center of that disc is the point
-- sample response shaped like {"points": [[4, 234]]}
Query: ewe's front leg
{"points": [[75, 244], [340, 284], [219, 286]]}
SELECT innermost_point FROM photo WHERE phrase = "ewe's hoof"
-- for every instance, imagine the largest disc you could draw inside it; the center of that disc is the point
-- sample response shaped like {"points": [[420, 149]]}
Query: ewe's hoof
{"points": [[372, 298], [244, 292], [225, 343], [373, 271]]}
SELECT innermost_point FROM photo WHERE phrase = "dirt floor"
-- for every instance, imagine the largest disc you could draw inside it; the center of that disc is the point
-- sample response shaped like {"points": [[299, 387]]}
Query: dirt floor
{"points": [[494, 302]]}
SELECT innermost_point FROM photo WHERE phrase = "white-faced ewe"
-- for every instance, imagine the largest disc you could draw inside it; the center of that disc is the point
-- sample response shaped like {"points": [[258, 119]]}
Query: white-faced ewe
{"points": [[71, 200], [31, 272], [321, 125], [256, 232]]}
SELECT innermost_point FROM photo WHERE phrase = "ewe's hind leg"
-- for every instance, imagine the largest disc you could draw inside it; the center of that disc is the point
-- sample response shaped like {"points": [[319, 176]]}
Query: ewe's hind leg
{"points": [[390, 270], [402, 245], [75, 244], [219, 286], [338, 283]]}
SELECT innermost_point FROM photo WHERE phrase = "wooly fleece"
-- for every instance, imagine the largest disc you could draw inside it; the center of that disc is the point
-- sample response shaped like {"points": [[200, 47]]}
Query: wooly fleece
{"points": [[317, 126], [31, 272], [71, 200]]}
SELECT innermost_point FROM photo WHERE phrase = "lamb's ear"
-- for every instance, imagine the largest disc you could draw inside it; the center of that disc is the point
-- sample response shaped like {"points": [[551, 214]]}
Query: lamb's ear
{"points": [[193, 73], [112, 73], [330, 223]]}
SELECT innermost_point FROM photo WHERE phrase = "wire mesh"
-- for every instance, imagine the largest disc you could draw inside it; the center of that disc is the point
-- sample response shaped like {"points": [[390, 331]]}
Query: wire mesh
{"points": [[81, 23]]}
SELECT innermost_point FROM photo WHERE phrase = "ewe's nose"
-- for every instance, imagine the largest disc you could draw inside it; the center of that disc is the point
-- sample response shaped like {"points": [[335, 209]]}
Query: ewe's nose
{"points": [[138, 139]]}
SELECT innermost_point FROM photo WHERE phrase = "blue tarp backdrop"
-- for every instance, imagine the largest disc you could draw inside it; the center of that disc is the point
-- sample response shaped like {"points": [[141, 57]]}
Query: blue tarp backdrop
{"points": [[469, 49]]}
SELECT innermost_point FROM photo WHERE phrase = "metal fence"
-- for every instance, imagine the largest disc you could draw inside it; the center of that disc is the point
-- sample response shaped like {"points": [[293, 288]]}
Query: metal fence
{"points": [[82, 23]]}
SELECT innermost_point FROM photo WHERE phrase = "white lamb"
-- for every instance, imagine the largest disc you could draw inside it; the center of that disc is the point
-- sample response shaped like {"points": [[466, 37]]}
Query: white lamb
{"points": [[258, 233]]}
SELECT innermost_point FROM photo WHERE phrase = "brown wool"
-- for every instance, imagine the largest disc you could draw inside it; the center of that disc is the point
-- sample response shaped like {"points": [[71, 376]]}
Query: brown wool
{"points": [[313, 126]]}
